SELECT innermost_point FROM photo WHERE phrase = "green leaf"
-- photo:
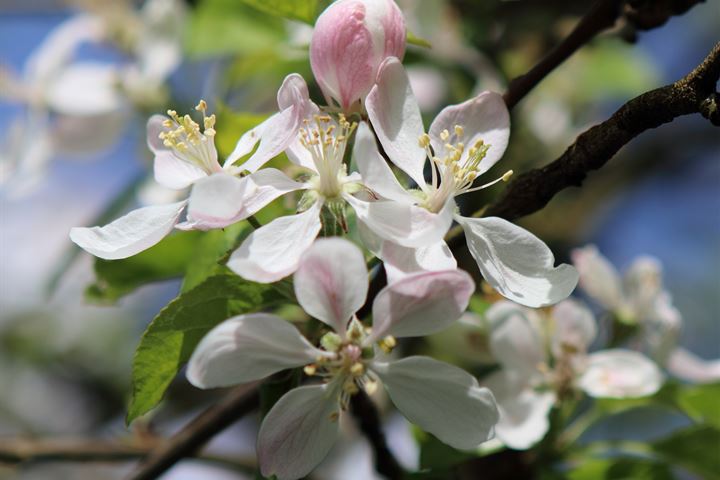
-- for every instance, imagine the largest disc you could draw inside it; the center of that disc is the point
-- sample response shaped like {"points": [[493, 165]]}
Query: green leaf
{"points": [[172, 336], [212, 247], [303, 10], [168, 259], [620, 469], [701, 403], [413, 39], [696, 449]]}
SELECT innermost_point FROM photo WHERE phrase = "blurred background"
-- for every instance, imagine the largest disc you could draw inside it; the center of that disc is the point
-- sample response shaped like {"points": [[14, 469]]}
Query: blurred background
{"points": [[73, 106]]}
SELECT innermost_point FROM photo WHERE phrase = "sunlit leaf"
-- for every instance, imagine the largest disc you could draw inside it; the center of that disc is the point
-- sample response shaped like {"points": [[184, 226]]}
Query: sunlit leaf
{"points": [[172, 336], [303, 10], [701, 403]]}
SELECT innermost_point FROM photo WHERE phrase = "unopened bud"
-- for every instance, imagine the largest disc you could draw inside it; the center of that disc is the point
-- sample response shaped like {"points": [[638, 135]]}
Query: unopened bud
{"points": [[351, 39]]}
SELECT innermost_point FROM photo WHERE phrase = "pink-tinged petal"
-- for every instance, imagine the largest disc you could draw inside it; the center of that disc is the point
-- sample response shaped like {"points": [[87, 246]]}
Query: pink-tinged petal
{"points": [[516, 339], [273, 251], [174, 173], [516, 263], [130, 234], [441, 399], [395, 116], [620, 373], [421, 304], [523, 410], [223, 199], [331, 281], [689, 367], [374, 170], [575, 326], [154, 128], [279, 131], [350, 40], [298, 432], [405, 224], [598, 277], [247, 348], [484, 117]]}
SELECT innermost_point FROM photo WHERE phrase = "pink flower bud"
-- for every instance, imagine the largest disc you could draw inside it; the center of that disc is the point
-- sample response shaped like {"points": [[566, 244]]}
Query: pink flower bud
{"points": [[350, 41]]}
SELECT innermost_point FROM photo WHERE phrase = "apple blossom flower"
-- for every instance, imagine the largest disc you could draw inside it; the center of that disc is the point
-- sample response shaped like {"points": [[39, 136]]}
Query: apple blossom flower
{"points": [[544, 359], [463, 142], [640, 299], [319, 146], [331, 285], [185, 153], [350, 40]]}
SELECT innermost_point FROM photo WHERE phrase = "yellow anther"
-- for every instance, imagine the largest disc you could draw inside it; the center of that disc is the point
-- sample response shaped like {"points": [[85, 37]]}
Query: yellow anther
{"points": [[371, 387], [444, 135], [358, 369], [167, 123], [507, 175], [310, 370], [387, 344], [201, 106], [459, 131]]}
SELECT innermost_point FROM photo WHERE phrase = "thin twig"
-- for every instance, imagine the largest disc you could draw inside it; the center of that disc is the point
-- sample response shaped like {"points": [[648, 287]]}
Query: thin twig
{"points": [[27, 450], [602, 15], [367, 418], [695, 93], [239, 402]]}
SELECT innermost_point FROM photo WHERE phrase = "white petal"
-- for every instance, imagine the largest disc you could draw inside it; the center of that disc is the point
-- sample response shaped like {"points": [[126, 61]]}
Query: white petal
{"points": [[85, 89], [441, 399], [331, 282], [575, 326], [247, 348], [517, 263], [643, 284], [395, 115], [298, 432], [402, 223], [484, 117], [373, 168], [273, 251], [223, 199], [598, 277], [279, 131], [174, 173], [421, 304], [620, 373], [516, 338], [401, 261], [523, 411], [688, 366], [130, 234]]}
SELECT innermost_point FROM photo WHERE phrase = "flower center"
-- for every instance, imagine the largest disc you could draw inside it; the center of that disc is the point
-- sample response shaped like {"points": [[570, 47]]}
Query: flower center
{"points": [[326, 140], [455, 168], [188, 142], [347, 362]]}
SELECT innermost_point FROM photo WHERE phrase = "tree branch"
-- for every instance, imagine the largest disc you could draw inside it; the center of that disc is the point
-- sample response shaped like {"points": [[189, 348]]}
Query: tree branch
{"points": [[602, 15], [368, 420], [239, 402], [695, 93]]}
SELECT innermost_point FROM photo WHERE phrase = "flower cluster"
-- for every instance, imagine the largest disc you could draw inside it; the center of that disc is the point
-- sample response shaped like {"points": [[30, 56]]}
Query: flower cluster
{"points": [[399, 206]]}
